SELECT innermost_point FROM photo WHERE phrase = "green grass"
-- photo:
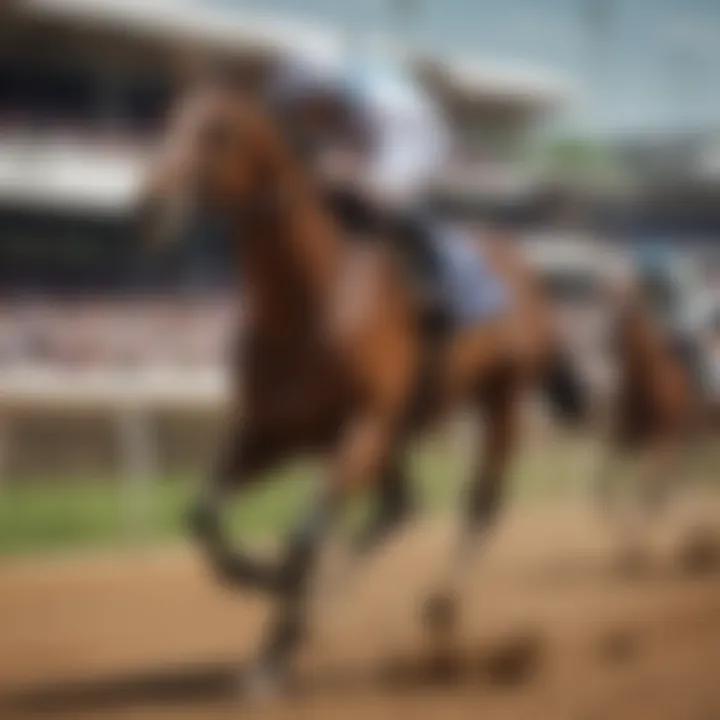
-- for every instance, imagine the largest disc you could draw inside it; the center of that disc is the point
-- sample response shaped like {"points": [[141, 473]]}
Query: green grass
{"points": [[57, 517]]}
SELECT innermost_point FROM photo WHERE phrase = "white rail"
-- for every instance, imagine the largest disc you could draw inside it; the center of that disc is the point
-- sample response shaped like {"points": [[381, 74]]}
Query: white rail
{"points": [[128, 398]]}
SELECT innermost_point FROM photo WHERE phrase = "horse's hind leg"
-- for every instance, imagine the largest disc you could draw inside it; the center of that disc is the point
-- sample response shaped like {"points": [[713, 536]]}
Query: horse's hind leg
{"points": [[605, 477], [663, 462], [484, 493]]}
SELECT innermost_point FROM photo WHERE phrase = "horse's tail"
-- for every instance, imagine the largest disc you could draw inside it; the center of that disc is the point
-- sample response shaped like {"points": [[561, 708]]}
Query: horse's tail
{"points": [[565, 389]]}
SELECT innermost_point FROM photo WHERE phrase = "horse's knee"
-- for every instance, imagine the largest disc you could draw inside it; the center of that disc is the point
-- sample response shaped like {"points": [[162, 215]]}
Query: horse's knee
{"points": [[393, 508], [484, 502], [204, 521]]}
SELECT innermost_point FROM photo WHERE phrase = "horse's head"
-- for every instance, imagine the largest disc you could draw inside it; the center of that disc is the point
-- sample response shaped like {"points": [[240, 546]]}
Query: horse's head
{"points": [[220, 154]]}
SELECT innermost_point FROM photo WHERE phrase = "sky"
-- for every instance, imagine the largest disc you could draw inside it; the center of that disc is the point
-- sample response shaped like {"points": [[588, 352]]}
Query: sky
{"points": [[634, 64]]}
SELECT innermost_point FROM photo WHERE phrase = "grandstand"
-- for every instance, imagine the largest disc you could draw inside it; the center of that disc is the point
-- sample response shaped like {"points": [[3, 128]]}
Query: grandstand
{"points": [[76, 120], [678, 178]]}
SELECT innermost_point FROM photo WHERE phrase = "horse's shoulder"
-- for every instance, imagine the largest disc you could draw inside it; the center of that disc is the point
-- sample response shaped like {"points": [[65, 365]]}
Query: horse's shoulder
{"points": [[368, 320]]}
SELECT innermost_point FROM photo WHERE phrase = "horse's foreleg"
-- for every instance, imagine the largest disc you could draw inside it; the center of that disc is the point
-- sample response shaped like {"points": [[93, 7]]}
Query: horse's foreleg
{"points": [[288, 627], [393, 507], [360, 456], [242, 457], [359, 461]]}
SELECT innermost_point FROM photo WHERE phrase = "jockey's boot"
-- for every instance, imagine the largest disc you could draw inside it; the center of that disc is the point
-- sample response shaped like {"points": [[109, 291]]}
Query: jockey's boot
{"points": [[355, 215], [413, 232]]}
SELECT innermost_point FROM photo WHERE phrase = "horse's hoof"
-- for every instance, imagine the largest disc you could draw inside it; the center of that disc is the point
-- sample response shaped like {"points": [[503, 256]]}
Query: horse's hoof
{"points": [[700, 553], [440, 613], [262, 683]]}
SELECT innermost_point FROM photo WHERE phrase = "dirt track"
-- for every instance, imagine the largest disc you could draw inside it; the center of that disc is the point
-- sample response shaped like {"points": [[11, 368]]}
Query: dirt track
{"points": [[551, 628]]}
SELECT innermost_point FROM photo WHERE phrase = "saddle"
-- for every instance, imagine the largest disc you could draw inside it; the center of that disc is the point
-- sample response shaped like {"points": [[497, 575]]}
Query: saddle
{"points": [[450, 281], [361, 221]]}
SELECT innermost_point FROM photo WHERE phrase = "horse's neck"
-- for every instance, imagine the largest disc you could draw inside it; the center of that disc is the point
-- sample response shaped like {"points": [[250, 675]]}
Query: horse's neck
{"points": [[291, 261]]}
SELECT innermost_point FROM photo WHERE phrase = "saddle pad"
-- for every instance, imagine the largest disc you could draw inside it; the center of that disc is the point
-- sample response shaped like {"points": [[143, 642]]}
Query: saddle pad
{"points": [[471, 290]]}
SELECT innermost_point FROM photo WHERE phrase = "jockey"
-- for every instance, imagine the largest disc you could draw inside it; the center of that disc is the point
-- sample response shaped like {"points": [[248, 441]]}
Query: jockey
{"points": [[376, 140]]}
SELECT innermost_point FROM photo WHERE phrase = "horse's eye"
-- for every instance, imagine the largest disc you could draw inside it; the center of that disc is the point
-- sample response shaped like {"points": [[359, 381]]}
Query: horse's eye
{"points": [[217, 137]]}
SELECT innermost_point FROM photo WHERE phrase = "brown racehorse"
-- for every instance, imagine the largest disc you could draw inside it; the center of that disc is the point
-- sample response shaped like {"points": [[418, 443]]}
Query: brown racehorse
{"points": [[331, 346], [657, 410]]}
